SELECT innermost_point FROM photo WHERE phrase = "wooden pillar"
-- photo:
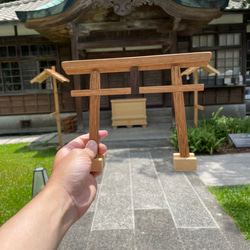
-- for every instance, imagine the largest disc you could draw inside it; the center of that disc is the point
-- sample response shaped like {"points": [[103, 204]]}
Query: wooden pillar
{"points": [[94, 120], [196, 99], [173, 50], [180, 116], [94, 107], [77, 79], [58, 121], [134, 82]]}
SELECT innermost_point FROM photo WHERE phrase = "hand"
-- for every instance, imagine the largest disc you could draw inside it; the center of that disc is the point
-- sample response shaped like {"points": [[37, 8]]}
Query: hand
{"points": [[71, 171], [71, 188]]}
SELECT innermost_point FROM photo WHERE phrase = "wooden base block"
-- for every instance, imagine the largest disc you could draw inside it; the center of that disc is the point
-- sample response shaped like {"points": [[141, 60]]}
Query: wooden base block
{"points": [[98, 164], [185, 163]]}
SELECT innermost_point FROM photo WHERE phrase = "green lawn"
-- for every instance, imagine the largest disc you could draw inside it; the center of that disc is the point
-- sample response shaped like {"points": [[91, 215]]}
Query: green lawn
{"points": [[235, 200], [17, 162]]}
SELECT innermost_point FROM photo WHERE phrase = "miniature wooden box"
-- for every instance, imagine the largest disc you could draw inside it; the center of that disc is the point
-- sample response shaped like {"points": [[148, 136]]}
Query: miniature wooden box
{"points": [[129, 112]]}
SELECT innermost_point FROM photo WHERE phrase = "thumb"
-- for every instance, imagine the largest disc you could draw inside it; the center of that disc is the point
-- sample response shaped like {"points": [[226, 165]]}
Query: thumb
{"points": [[91, 149]]}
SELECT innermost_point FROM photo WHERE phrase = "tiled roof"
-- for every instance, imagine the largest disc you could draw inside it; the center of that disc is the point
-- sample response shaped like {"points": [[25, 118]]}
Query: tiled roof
{"points": [[237, 5], [8, 10]]}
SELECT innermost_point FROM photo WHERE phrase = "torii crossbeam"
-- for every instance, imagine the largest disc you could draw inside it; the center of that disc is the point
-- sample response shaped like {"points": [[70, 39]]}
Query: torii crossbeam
{"points": [[184, 161]]}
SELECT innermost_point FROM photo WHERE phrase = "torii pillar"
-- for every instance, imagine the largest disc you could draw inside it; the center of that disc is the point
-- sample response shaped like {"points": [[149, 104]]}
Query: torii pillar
{"points": [[183, 161]]}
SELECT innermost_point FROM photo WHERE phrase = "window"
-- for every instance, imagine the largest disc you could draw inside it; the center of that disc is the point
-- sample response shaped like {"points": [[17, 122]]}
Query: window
{"points": [[230, 39], [38, 50], [7, 51], [16, 72], [16, 76], [29, 71], [11, 76], [203, 41], [228, 61], [226, 56]]}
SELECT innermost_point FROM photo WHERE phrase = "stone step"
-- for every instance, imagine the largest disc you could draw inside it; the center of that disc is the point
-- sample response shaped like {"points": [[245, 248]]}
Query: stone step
{"points": [[159, 115], [154, 115]]}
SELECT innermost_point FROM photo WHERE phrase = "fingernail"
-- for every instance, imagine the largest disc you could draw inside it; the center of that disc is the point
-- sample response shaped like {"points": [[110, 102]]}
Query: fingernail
{"points": [[91, 144]]}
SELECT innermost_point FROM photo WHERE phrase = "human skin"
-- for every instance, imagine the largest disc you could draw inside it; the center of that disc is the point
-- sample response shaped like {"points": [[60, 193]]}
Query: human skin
{"points": [[71, 189]]}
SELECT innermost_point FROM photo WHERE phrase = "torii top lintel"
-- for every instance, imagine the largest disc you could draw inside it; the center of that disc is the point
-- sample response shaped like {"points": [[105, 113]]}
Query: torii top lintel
{"points": [[144, 63]]}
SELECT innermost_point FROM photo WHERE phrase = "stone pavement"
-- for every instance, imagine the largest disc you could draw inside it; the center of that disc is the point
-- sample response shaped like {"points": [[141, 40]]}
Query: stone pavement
{"points": [[142, 203], [42, 138]]}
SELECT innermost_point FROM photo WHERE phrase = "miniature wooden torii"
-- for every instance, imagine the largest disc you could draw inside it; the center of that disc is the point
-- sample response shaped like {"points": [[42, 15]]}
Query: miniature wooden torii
{"points": [[55, 76], [183, 161], [208, 69]]}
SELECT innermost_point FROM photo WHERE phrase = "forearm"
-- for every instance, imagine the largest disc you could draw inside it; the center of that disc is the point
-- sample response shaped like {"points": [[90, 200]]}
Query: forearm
{"points": [[41, 224]]}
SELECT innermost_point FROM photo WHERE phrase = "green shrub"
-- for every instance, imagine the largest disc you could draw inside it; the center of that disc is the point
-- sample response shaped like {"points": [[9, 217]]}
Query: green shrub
{"points": [[201, 140], [211, 133]]}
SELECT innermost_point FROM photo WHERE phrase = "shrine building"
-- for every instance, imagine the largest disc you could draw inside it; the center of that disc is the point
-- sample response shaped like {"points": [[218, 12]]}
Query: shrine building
{"points": [[39, 34]]}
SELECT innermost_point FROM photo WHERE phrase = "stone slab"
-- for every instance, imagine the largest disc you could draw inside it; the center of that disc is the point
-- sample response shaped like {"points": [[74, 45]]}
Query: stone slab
{"points": [[240, 140], [114, 203], [203, 238], [186, 207], [155, 229], [146, 188], [111, 240], [47, 137]]}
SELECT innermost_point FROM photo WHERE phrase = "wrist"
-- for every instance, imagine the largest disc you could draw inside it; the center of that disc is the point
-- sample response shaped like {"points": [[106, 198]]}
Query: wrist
{"points": [[61, 208]]}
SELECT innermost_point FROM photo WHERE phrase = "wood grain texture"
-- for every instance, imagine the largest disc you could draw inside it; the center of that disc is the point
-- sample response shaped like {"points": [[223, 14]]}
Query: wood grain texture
{"points": [[58, 121], [94, 107], [134, 81], [58, 76], [142, 90], [144, 63], [195, 99], [180, 115], [169, 89], [94, 119], [97, 164], [47, 73], [101, 92], [41, 77], [189, 71], [209, 69], [129, 112], [185, 164]]}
